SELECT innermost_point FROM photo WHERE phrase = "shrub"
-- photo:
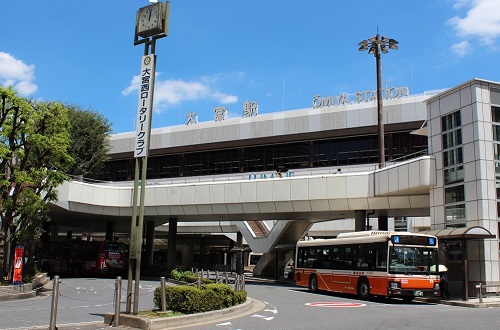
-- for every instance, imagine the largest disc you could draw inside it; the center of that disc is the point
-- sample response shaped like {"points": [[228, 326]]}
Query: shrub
{"points": [[190, 299], [187, 276]]}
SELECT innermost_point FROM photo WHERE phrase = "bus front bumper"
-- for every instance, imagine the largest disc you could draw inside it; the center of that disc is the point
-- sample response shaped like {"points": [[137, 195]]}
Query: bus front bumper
{"points": [[413, 293]]}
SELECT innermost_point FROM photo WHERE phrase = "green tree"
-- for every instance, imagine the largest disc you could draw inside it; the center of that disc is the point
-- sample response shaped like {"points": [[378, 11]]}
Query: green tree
{"points": [[34, 142], [89, 141]]}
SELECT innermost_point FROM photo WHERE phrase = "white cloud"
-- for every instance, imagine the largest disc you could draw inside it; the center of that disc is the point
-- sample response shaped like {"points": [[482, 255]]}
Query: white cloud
{"points": [[461, 48], [173, 92], [16, 73], [482, 22]]}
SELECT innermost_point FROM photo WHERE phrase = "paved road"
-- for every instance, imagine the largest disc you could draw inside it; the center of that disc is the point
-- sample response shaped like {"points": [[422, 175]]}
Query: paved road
{"points": [[289, 308], [80, 301], [84, 301]]}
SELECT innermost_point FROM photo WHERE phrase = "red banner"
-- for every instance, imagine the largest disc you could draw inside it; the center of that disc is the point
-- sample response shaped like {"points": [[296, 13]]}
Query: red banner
{"points": [[18, 265]]}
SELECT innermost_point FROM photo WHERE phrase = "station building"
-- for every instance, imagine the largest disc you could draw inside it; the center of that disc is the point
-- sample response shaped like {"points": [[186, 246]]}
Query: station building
{"points": [[456, 131]]}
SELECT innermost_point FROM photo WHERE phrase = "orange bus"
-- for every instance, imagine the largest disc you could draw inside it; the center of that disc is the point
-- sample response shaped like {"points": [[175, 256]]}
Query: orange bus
{"points": [[370, 263], [83, 257]]}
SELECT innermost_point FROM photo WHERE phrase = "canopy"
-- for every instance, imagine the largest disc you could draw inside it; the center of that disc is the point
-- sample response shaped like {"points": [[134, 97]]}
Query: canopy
{"points": [[475, 232]]}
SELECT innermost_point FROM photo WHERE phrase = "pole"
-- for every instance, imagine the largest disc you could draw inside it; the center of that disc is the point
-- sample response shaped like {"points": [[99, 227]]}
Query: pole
{"points": [[163, 298], [118, 296], [132, 260], [53, 307], [380, 111]]}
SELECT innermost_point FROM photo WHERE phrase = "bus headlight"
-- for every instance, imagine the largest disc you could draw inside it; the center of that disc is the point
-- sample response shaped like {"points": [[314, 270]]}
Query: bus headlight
{"points": [[436, 286], [394, 285]]}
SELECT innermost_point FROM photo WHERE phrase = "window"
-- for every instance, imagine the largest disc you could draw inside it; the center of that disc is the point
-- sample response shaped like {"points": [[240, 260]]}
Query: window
{"points": [[454, 194], [453, 171]]}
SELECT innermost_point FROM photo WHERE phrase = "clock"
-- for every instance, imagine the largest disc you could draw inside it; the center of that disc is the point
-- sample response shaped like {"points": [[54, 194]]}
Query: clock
{"points": [[152, 20]]}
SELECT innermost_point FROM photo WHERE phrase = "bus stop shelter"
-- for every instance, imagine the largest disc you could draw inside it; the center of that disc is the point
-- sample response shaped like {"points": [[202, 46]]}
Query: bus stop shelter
{"points": [[460, 237]]}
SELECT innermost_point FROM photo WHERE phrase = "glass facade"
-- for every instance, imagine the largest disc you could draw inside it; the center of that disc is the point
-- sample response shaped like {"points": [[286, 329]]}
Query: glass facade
{"points": [[304, 154], [453, 170], [495, 117]]}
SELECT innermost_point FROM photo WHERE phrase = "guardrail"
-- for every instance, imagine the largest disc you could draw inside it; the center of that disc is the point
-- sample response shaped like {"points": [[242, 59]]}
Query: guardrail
{"points": [[482, 286]]}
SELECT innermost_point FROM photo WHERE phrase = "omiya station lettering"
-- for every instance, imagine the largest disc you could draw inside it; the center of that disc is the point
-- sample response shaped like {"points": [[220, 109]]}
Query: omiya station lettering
{"points": [[358, 97]]}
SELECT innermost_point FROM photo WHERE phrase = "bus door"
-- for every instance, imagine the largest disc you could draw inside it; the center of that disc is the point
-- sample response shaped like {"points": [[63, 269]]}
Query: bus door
{"points": [[342, 264]]}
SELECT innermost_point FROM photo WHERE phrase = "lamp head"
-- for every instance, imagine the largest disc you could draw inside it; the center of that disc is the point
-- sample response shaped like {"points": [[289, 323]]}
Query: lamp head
{"points": [[393, 44], [363, 45]]}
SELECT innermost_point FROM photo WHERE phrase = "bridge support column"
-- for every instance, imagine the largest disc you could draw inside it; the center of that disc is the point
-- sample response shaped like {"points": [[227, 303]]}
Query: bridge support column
{"points": [[54, 232], [172, 233], [109, 230], [239, 254], [203, 251], [150, 242], [383, 222], [359, 220]]}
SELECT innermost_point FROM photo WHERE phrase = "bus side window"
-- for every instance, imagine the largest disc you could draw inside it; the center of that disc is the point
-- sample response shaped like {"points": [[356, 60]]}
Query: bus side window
{"points": [[381, 258]]}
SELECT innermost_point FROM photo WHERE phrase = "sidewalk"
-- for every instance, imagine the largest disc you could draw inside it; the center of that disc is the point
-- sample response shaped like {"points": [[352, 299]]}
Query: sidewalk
{"points": [[488, 301]]}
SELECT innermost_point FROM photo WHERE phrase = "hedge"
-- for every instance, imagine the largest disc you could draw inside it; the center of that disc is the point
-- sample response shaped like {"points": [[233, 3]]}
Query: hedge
{"points": [[190, 299]]}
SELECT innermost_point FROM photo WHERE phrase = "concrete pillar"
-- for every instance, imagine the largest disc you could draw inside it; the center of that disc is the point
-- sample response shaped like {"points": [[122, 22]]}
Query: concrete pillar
{"points": [[172, 233], [44, 238], [359, 220], [54, 232], [150, 242], [239, 254], [383, 222], [203, 252], [109, 230]]}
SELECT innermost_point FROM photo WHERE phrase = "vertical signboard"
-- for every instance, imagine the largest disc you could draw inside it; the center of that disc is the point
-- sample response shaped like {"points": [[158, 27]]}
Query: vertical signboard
{"points": [[143, 123], [18, 265]]}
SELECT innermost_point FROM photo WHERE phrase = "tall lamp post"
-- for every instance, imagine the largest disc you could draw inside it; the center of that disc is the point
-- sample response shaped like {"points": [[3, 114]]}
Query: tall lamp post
{"points": [[376, 45]]}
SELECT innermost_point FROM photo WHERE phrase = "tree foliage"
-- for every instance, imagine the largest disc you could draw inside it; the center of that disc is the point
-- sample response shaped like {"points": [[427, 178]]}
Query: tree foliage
{"points": [[90, 143], [34, 142]]}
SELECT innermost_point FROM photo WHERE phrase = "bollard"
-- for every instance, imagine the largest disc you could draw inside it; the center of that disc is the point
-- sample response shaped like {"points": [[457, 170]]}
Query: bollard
{"points": [[199, 282], [243, 282], [480, 292], [118, 296], [53, 307], [163, 298]]}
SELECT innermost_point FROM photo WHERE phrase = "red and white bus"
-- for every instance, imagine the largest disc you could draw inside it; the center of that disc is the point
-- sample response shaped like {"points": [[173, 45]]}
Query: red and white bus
{"points": [[370, 263], [83, 257]]}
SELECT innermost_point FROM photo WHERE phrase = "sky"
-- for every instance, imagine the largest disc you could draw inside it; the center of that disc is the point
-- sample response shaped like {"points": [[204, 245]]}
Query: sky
{"points": [[277, 53]]}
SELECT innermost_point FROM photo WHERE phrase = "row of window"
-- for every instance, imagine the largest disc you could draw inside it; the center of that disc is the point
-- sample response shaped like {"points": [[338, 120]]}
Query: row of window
{"points": [[351, 257], [495, 117], [453, 170], [334, 152]]}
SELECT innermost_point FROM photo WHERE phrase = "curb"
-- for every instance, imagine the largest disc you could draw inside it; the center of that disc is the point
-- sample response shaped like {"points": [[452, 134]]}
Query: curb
{"points": [[24, 291], [248, 307], [461, 303]]}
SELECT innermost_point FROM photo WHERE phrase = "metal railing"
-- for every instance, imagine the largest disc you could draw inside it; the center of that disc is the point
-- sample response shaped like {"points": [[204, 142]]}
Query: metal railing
{"points": [[482, 286]]}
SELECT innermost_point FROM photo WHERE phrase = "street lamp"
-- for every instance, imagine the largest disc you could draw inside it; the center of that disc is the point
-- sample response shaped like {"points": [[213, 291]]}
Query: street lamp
{"points": [[376, 45]]}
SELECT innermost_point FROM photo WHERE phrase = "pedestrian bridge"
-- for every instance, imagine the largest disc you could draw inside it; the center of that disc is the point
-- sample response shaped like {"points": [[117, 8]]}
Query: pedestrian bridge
{"points": [[401, 189]]}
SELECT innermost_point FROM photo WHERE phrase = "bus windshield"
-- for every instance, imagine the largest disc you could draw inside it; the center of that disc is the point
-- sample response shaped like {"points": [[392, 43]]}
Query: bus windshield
{"points": [[414, 260]]}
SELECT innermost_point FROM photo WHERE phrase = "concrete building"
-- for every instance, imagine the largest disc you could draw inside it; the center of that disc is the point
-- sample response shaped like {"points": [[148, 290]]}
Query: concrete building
{"points": [[442, 155]]}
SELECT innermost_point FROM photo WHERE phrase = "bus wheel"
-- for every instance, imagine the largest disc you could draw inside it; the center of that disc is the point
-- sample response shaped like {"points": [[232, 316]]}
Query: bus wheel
{"points": [[313, 283], [363, 289]]}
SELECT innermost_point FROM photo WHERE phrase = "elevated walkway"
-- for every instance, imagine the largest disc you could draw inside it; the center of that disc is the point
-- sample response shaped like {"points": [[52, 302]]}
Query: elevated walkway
{"points": [[400, 189]]}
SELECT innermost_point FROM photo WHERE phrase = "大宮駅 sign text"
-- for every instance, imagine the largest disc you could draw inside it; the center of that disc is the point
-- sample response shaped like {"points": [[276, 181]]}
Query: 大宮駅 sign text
{"points": [[358, 97]]}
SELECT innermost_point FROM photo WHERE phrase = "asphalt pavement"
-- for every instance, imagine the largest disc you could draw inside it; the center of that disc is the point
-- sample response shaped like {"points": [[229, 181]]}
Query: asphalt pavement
{"points": [[252, 305]]}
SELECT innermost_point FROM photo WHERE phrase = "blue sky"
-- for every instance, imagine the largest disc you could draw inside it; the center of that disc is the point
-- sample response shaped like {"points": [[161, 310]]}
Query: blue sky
{"points": [[224, 52]]}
